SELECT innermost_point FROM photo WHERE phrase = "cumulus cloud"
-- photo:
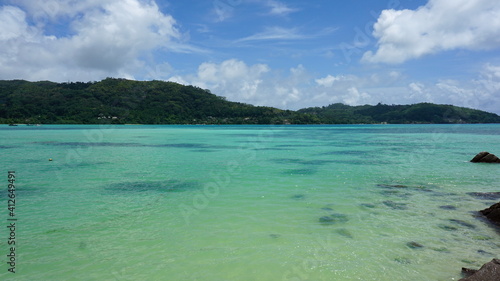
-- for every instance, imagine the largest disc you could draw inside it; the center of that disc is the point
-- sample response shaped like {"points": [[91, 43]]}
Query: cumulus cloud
{"points": [[259, 84], [482, 93], [232, 78], [440, 25], [329, 80], [106, 38], [256, 84], [346, 89], [355, 97], [297, 88]]}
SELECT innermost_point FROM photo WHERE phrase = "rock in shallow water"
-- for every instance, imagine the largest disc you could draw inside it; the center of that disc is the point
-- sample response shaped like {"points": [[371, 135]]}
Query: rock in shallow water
{"points": [[344, 232], [414, 245], [485, 195], [488, 272], [402, 260], [447, 227], [395, 206], [448, 207], [333, 218], [485, 157], [367, 205], [298, 196], [492, 213], [462, 223]]}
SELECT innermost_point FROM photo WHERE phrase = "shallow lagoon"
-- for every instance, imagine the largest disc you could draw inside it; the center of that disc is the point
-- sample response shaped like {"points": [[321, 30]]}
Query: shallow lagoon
{"points": [[360, 202]]}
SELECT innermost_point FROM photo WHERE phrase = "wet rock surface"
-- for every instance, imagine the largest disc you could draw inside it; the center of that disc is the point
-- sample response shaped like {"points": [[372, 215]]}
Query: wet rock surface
{"points": [[485, 157], [488, 272], [492, 213]]}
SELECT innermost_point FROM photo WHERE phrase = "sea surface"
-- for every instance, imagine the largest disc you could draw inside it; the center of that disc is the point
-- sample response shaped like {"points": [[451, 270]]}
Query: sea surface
{"points": [[350, 202]]}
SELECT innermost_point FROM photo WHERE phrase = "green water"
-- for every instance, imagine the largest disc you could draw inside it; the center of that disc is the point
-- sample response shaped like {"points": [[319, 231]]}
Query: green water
{"points": [[247, 202]]}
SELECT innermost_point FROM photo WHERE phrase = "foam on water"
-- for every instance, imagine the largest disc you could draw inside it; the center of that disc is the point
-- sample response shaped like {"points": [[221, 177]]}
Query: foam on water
{"points": [[362, 202]]}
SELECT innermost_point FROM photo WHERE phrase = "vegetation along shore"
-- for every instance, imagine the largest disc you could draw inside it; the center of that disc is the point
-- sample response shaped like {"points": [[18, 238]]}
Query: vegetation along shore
{"points": [[121, 101]]}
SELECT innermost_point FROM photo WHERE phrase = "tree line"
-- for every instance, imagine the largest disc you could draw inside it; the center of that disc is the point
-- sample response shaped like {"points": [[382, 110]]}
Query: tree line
{"points": [[122, 101]]}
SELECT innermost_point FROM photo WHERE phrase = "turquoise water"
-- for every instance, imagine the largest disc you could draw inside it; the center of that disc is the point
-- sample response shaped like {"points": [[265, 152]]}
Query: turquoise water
{"points": [[362, 202]]}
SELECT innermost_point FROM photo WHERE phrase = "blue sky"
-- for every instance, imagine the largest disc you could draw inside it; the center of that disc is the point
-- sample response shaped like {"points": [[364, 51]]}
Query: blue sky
{"points": [[287, 54]]}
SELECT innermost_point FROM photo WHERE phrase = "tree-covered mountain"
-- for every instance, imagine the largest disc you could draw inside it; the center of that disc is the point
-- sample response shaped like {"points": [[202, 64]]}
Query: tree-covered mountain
{"points": [[400, 114], [122, 101]]}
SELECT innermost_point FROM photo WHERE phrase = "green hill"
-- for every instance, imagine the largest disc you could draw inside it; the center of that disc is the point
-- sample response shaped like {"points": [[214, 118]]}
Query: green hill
{"points": [[425, 113], [122, 101]]}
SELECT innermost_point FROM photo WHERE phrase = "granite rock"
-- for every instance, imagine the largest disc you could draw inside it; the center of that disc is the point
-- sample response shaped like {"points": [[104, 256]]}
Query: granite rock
{"points": [[488, 272], [485, 157]]}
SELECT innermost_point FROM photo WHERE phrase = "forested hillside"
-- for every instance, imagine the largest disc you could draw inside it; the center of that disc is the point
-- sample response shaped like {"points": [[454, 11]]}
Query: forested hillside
{"points": [[400, 114], [122, 101]]}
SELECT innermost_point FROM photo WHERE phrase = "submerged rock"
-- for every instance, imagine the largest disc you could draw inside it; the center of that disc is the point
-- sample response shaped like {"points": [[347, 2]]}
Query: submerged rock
{"points": [[152, 186], [485, 157], [402, 260], [333, 218], [395, 193], [483, 252], [462, 223], [304, 171], [344, 232], [405, 187], [481, 237], [448, 207], [367, 205], [488, 272], [492, 213], [392, 185], [485, 195], [395, 206], [447, 227], [442, 250], [414, 245], [298, 196]]}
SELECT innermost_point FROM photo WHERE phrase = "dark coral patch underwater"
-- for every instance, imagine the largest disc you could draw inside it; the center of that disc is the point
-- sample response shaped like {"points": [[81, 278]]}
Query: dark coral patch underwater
{"points": [[152, 186]]}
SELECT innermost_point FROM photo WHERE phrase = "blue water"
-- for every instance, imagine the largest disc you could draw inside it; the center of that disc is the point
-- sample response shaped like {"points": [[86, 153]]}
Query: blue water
{"points": [[357, 202]]}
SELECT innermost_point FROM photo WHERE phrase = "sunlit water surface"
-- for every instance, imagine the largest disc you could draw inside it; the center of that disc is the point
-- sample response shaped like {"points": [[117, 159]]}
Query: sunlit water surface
{"points": [[363, 202]]}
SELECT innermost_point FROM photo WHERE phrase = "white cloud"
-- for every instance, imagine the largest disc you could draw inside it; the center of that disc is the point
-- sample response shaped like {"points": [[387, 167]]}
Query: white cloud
{"points": [[255, 84], [438, 26], [355, 97], [275, 33], [328, 80], [106, 38], [224, 9], [232, 78], [481, 93], [416, 87], [259, 84], [282, 33], [490, 79], [279, 8]]}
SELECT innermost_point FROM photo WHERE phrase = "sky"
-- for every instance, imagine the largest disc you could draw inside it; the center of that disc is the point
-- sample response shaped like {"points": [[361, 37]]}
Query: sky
{"points": [[286, 54]]}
